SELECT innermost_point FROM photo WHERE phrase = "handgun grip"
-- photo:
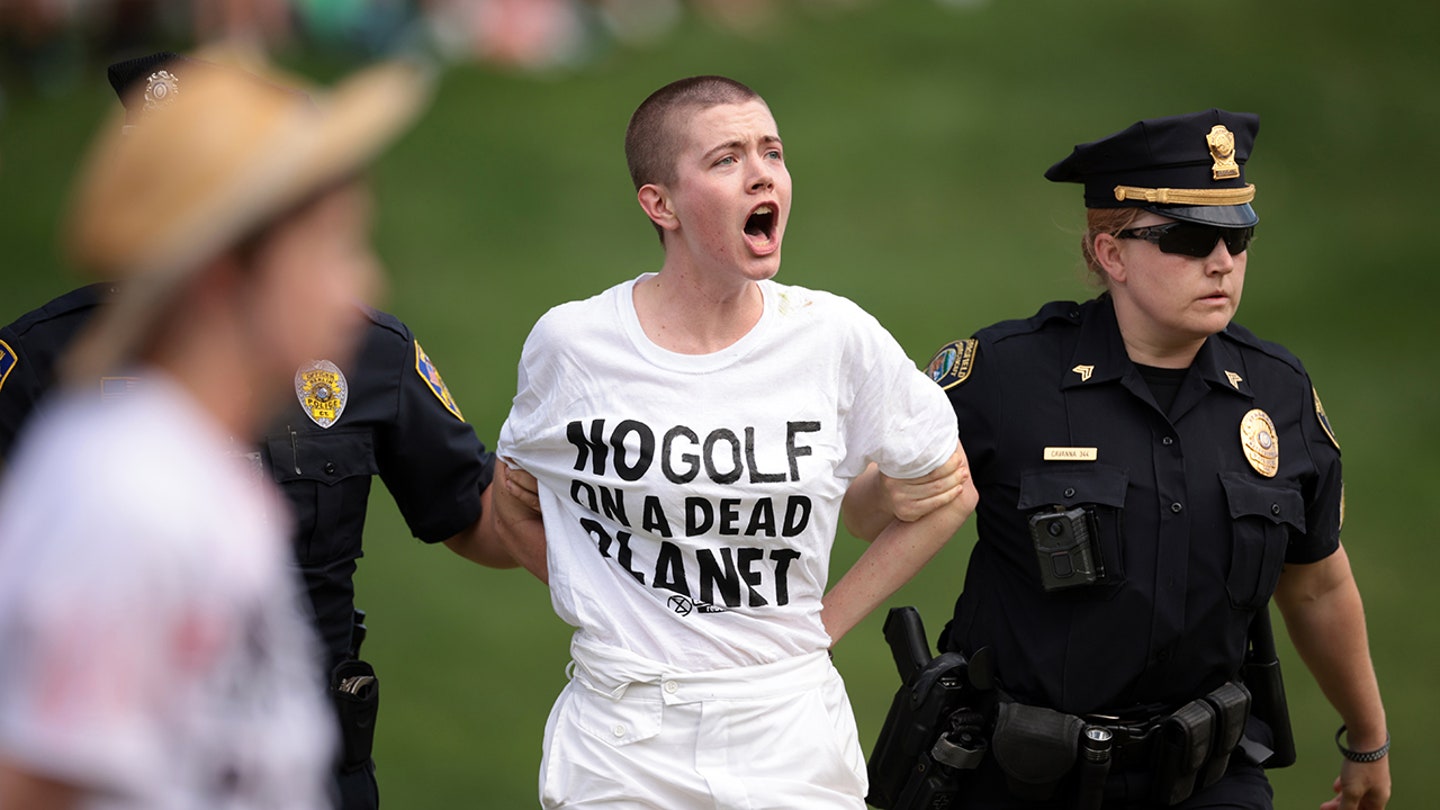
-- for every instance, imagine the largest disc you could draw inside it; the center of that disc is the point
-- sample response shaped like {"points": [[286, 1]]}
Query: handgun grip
{"points": [[905, 634]]}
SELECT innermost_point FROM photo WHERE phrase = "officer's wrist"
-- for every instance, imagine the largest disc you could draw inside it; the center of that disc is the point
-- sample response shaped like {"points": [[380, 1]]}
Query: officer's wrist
{"points": [[1361, 749]]}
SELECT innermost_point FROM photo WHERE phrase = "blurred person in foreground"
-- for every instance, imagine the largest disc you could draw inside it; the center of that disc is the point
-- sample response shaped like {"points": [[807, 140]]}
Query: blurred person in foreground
{"points": [[382, 409], [1150, 475], [694, 431], [156, 653]]}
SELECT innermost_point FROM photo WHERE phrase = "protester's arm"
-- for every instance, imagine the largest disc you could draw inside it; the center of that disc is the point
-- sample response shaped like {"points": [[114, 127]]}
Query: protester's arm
{"points": [[874, 499], [899, 551], [1326, 620], [20, 787]]}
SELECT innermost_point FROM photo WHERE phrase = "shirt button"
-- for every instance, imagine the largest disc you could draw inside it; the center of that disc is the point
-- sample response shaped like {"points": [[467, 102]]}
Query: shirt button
{"points": [[1069, 492], [329, 468], [619, 730], [1274, 508], [672, 687], [1167, 441], [1176, 508]]}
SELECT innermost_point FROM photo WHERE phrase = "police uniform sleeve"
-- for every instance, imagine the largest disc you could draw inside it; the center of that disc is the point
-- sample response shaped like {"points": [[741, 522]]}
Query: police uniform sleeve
{"points": [[1325, 493], [429, 457], [20, 389], [972, 387]]}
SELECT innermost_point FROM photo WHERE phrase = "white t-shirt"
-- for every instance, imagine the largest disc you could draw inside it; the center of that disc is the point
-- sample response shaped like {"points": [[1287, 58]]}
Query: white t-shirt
{"points": [[691, 501], [154, 648]]}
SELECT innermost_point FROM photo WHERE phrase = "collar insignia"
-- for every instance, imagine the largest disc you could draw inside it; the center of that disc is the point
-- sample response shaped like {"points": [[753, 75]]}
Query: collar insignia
{"points": [[161, 89], [8, 361], [1235, 379], [1324, 420], [952, 364], [1222, 149], [1261, 445], [431, 375], [322, 390], [1084, 371]]}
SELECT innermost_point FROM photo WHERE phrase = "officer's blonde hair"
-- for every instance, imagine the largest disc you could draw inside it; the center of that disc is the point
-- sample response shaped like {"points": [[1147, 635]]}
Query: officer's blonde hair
{"points": [[1104, 220]]}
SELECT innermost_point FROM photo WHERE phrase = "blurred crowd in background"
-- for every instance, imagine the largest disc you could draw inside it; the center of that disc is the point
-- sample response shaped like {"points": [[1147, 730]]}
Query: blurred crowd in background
{"points": [[46, 44]]}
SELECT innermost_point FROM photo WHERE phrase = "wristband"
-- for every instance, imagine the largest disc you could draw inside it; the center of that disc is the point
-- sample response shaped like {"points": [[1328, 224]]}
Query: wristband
{"points": [[1362, 756]]}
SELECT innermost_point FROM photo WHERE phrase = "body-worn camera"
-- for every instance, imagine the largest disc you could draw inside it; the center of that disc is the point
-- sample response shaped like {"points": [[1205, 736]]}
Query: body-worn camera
{"points": [[1064, 549]]}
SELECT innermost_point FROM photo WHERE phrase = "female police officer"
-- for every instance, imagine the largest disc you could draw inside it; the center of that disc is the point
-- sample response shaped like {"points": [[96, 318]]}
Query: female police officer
{"points": [[1150, 474]]}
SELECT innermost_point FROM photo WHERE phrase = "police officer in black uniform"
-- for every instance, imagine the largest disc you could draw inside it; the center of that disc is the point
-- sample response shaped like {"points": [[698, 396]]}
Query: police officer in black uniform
{"points": [[1150, 475], [386, 413]]}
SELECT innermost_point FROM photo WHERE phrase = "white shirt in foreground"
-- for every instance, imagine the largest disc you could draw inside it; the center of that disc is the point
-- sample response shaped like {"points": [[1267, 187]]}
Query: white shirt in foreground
{"points": [[153, 645]]}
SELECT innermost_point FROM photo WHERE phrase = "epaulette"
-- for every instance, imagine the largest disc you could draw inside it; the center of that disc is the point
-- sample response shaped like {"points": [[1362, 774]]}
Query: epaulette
{"points": [[79, 299], [1066, 311], [952, 364], [1238, 334], [388, 322]]}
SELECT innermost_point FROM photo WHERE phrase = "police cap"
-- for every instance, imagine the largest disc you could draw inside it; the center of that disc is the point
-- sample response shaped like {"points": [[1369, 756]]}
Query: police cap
{"points": [[1188, 167]]}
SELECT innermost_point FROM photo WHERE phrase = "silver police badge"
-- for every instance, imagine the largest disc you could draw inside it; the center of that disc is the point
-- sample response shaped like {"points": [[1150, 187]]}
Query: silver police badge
{"points": [[322, 391]]}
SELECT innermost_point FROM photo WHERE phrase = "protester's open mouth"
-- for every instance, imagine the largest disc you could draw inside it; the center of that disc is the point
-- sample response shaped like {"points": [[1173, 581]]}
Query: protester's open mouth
{"points": [[760, 226]]}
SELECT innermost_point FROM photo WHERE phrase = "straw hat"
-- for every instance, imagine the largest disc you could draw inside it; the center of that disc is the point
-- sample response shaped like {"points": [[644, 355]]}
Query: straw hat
{"points": [[221, 151]]}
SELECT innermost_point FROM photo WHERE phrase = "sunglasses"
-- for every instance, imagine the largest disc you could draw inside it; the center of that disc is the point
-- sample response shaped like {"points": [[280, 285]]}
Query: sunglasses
{"points": [[1191, 238]]}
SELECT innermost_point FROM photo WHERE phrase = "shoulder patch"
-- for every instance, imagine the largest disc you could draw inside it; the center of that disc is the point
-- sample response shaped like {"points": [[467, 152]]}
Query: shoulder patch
{"points": [[431, 376], [953, 363], [8, 361], [1324, 420]]}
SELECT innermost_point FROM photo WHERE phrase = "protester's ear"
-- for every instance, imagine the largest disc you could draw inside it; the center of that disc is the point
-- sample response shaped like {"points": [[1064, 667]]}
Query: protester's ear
{"points": [[655, 201]]}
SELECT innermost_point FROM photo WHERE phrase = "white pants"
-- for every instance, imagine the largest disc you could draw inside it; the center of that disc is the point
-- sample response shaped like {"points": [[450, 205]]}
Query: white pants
{"points": [[629, 733]]}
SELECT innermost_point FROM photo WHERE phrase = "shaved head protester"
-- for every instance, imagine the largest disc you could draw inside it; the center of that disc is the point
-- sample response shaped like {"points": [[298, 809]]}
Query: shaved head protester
{"points": [[694, 431]]}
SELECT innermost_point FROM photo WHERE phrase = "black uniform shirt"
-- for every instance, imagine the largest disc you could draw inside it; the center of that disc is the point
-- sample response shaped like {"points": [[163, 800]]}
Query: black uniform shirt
{"points": [[1192, 532], [398, 421]]}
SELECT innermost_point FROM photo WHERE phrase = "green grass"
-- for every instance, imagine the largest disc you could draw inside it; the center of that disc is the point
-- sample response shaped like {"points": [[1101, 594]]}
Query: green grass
{"points": [[917, 136]]}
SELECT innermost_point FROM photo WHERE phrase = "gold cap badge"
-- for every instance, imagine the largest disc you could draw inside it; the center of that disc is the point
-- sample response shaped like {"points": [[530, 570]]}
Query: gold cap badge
{"points": [[1261, 445], [160, 89], [1222, 149], [322, 390]]}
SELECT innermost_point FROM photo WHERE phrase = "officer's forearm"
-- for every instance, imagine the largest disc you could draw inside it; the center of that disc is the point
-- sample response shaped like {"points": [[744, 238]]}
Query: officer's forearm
{"points": [[864, 510], [1326, 620], [874, 499]]}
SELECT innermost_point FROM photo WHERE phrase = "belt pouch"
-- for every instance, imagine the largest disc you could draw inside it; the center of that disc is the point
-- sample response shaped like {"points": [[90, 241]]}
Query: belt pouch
{"points": [[356, 695], [1035, 747], [1231, 703], [1180, 751]]}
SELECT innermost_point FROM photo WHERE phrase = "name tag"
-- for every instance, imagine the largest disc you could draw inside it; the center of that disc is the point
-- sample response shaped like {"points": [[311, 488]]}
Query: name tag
{"points": [[1071, 453]]}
